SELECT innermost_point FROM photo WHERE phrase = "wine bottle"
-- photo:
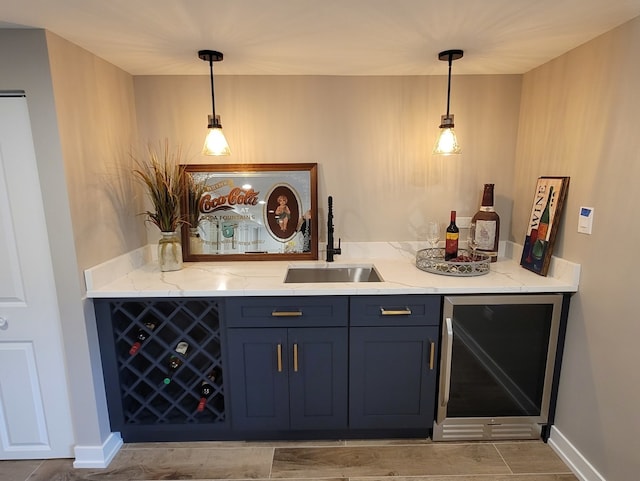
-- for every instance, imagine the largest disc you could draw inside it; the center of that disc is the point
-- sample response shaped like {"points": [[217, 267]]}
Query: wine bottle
{"points": [[176, 360], [206, 389], [142, 336], [543, 227], [451, 239], [487, 222]]}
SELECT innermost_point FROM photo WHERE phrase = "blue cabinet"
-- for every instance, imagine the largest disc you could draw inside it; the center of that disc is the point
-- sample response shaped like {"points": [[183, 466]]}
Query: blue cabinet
{"points": [[288, 378], [294, 367], [393, 362]]}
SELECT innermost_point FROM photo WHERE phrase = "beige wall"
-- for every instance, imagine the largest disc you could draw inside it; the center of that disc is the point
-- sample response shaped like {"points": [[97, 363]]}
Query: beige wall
{"points": [[579, 118], [371, 136], [96, 117]]}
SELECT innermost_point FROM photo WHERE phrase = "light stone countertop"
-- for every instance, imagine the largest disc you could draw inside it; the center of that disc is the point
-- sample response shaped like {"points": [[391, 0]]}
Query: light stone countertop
{"points": [[136, 274]]}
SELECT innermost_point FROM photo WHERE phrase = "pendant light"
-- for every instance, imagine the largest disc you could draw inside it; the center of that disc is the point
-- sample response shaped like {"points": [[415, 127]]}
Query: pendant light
{"points": [[447, 142], [215, 143]]}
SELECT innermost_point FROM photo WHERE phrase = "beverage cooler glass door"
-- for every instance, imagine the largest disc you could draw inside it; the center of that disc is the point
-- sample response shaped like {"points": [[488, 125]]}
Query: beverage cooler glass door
{"points": [[498, 358]]}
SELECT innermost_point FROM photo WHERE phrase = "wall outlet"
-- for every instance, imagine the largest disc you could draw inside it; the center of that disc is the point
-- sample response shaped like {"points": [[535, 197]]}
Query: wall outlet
{"points": [[463, 222]]}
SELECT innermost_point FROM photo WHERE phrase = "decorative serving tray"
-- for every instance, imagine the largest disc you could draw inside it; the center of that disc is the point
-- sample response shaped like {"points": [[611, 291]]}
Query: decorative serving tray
{"points": [[467, 264]]}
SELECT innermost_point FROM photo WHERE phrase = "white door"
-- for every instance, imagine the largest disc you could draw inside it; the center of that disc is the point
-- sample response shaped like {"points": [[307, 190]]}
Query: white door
{"points": [[35, 418]]}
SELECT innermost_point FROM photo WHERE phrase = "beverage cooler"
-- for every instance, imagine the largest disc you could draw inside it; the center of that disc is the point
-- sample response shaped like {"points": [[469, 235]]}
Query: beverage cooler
{"points": [[499, 363]]}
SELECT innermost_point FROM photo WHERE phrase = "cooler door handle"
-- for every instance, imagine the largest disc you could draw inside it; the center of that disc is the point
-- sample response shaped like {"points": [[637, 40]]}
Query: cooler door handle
{"points": [[446, 361]]}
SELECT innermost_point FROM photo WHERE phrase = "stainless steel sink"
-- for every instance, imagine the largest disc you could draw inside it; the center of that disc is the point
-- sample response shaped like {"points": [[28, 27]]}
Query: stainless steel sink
{"points": [[312, 274]]}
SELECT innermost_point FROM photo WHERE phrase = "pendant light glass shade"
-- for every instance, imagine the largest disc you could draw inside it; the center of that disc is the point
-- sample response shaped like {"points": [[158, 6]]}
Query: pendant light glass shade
{"points": [[447, 142], [215, 142]]}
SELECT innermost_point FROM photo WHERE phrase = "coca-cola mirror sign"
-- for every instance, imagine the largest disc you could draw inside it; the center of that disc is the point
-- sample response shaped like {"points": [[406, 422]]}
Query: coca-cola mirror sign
{"points": [[250, 212]]}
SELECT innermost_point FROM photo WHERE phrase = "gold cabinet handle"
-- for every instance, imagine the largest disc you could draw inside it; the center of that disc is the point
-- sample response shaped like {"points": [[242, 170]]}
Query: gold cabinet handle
{"points": [[295, 357], [395, 312], [279, 352], [286, 313], [432, 355]]}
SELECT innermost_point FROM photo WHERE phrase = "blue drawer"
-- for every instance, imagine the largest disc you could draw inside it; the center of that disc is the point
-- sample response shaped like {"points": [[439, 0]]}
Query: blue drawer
{"points": [[403, 310], [294, 311]]}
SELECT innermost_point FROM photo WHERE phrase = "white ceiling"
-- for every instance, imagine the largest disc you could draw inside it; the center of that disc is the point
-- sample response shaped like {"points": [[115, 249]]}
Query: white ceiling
{"points": [[322, 37]]}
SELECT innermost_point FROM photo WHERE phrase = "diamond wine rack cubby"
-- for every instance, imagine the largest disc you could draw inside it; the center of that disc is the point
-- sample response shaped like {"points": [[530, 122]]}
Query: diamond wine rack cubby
{"points": [[147, 400]]}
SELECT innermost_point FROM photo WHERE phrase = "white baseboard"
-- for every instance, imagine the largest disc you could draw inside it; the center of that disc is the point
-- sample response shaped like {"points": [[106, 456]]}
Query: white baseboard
{"points": [[572, 457], [98, 456]]}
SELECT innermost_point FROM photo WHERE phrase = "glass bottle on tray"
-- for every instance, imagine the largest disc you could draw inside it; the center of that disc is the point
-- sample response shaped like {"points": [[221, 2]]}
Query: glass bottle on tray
{"points": [[451, 239], [487, 225]]}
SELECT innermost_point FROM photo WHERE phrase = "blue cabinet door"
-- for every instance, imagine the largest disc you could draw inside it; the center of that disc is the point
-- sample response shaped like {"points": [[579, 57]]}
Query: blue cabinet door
{"points": [[393, 377], [318, 378], [288, 379], [258, 378]]}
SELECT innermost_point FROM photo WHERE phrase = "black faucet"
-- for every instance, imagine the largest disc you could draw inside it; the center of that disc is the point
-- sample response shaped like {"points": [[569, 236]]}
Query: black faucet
{"points": [[331, 250]]}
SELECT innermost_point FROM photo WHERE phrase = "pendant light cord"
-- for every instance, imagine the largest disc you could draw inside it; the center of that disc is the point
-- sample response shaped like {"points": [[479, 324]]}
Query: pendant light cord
{"points": [[448, 83], [213, 101]]}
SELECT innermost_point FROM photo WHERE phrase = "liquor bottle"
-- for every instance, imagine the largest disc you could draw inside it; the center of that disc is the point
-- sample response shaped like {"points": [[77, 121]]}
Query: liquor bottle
{"points": [[176, 360], [543, 228], [142, 336], [451, 242], [206, 389], [487, 222]]}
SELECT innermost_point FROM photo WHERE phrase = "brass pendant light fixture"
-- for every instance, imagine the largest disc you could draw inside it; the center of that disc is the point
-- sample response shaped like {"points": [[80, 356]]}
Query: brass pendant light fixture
{"points": [[215, 142], [447, 142]]}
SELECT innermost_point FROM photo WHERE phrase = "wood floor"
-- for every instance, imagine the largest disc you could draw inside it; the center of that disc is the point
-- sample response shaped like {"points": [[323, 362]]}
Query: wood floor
{"points": [[389, 460]]}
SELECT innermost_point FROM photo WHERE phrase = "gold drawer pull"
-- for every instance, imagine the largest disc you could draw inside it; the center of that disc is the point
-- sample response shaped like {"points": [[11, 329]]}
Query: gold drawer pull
{"points": [[395, 312], [286, 313], [279, 352], [295, 357], [432, 355]]}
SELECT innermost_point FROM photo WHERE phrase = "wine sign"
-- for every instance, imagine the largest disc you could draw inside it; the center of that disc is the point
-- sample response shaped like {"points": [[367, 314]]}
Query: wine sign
{"points": [[543, 223]]}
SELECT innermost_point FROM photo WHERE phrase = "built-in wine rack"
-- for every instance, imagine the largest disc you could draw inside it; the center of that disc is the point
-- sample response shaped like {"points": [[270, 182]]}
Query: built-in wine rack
{"points": [[143, 397]]}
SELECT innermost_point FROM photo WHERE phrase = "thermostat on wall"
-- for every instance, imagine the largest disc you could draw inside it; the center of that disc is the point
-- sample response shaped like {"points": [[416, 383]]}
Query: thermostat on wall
{"points": [[585, 220]]}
